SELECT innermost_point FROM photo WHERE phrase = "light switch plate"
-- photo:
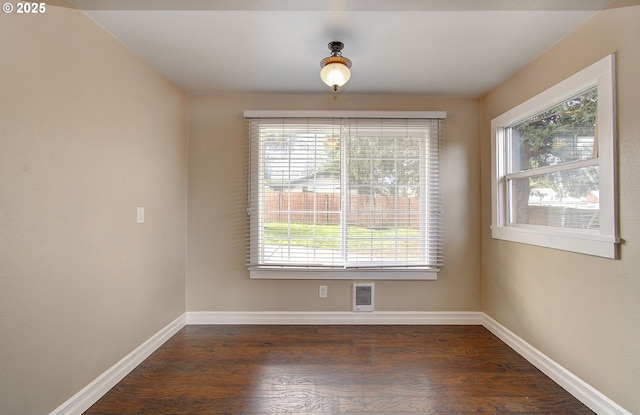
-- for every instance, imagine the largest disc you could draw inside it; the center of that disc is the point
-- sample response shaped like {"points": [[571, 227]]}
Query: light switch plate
{"points": [[140, 215]]}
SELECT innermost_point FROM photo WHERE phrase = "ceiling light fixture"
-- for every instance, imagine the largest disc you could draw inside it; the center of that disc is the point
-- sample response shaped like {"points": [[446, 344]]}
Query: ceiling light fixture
{"points": [[335, 68]]}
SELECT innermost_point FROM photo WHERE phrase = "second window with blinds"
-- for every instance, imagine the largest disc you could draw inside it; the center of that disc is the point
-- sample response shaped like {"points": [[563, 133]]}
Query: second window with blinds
{"points": [[344, 195]]}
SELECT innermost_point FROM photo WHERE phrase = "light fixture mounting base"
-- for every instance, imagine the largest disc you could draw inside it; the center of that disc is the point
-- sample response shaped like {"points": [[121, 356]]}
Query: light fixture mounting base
{"points": [[336, 48]]}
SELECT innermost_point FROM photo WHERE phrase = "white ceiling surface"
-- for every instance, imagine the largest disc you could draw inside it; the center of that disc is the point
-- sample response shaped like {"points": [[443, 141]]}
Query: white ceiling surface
{"points": [[458, 48]]}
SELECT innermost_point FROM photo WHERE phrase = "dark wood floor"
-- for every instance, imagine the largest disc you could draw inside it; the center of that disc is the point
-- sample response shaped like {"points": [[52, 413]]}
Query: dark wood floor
{"points": [[369, 370]]}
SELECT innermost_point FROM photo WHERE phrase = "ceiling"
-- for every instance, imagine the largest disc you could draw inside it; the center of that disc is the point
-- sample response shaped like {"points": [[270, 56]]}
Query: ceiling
{"points": [[460, 48]]}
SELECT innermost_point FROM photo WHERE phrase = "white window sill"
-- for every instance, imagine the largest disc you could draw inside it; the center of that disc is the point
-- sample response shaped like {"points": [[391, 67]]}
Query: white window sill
{"points": [[583, 242], [362, 274]]}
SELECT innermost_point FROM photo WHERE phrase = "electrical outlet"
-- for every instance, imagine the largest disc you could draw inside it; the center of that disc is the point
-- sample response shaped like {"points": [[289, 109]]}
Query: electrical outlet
{"points": [[323, 291]]}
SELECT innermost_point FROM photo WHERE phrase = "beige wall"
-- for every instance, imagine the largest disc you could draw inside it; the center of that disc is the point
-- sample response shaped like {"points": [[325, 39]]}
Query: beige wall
{"points": [[217, 279], [88, 132], [582, 311]]}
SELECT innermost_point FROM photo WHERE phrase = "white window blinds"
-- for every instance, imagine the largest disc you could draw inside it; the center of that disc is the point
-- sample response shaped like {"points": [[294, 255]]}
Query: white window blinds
{"points": [[344, 193]]}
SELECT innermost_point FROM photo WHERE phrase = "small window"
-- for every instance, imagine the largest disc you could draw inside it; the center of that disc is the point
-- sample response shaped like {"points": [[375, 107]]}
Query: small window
{"points": [[331, 196], [554, 167]]}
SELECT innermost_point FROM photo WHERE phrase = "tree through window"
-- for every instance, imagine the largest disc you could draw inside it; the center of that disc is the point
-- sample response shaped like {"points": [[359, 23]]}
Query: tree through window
{"points": [[549, 189]]}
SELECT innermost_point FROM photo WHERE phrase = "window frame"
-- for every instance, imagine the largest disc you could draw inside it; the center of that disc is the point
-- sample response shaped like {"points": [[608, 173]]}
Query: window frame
{"points": [[603, 242], [265, 272]]}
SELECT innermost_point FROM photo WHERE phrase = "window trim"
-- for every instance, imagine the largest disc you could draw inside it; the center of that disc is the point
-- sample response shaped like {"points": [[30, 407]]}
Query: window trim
{"points": [[603, 242], [343, 114], [303, 273]]}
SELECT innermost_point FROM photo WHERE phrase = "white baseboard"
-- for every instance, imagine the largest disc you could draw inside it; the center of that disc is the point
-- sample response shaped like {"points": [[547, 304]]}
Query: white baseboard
{"points": [[376, 317], [585, 393], [582, 391], [90, 394]]}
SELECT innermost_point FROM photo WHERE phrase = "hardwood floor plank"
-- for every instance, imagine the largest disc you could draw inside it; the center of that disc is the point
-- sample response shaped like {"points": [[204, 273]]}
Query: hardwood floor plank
{"points": [[305, 370]]}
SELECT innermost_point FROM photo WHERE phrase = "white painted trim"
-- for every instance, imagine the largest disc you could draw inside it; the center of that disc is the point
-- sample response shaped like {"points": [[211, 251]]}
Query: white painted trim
{"points": [[347, 274], [343, 114], [91, 393], [585, 393], [339, 317], [574, 241]]}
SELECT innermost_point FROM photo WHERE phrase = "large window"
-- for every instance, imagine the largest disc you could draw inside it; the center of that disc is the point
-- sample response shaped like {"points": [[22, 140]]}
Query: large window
{"points": [[554, 167], [332, 195]]}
